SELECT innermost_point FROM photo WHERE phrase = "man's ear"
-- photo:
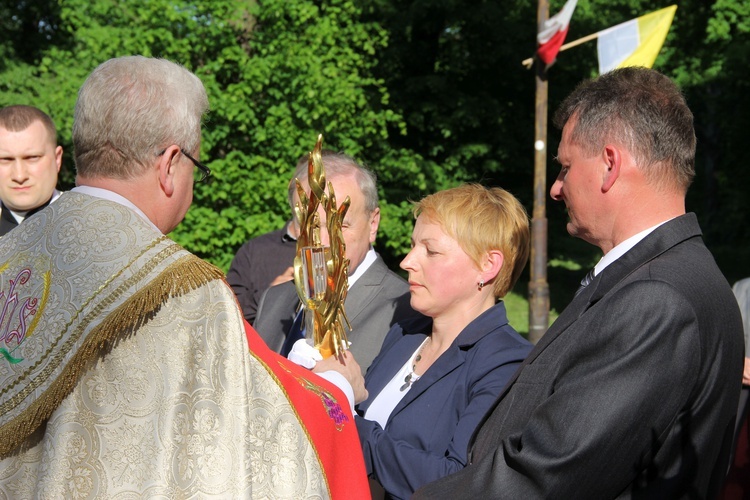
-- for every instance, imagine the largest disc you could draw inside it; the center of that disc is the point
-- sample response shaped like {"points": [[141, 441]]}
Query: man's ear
{"points": [[374, 223], [167, 167], [613, 162], [58, 157]]}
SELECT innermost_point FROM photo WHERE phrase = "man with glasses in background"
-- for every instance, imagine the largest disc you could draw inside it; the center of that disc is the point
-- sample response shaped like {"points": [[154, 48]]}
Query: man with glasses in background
{"points": [[125, 363]]}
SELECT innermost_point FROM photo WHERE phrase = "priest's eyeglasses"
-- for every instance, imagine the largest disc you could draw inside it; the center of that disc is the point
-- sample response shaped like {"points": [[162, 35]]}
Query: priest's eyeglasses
{"points": [[205, 171]]}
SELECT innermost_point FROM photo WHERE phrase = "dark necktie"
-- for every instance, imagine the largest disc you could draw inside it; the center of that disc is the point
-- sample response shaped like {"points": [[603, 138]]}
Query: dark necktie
{"points": [[585, 282], [295, 333]]}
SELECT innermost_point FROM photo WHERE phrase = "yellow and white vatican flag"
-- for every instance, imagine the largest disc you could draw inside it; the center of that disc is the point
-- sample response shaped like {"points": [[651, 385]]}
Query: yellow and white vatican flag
{"points": [[636, 42]]}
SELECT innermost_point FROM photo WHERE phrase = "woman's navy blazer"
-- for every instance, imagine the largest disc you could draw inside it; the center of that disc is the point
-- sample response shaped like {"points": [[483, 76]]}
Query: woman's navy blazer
{"points": [[427, 434]]}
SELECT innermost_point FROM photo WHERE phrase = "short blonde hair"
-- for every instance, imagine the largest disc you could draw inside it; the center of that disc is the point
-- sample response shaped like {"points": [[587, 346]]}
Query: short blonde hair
{"points": [[482, 219]]}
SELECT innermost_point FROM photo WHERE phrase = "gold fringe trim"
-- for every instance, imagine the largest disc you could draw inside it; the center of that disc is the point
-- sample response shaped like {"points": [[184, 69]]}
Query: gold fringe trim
{"points": [[68, 339], [182, 276]]}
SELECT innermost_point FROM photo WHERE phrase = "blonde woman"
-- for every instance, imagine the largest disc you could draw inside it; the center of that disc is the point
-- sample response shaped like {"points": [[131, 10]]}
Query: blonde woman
{"points": [[430, 387]]}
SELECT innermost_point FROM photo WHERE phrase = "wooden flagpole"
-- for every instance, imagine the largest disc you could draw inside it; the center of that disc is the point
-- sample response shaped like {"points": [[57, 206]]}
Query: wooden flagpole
{"points": [[538, 286]]}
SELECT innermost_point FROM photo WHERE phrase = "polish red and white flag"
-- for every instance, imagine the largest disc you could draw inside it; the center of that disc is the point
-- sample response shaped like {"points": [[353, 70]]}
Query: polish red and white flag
{"points": [[553, 33]]}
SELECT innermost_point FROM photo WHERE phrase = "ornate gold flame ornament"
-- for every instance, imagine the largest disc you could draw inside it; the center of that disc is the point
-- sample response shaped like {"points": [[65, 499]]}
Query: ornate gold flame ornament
{"points": [[320, 272]]}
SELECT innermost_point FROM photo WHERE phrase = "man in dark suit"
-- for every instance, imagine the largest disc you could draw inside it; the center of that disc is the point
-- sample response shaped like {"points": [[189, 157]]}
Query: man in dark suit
{"points": [[632, 392], [261, 262], [30, 160], [377, 297]]}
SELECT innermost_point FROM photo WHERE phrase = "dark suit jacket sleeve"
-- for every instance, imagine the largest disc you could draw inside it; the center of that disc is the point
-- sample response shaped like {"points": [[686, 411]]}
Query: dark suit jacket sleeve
{"points": [[257, 263], [401, 467], [276, 311], [587, 426], [242, 285]]}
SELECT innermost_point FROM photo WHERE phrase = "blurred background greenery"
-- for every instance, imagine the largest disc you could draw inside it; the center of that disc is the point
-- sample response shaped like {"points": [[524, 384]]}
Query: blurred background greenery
{"points": [[428, 93]]}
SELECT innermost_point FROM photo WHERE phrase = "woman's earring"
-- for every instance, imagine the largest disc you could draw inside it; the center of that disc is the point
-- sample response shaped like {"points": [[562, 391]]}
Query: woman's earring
{"points": [[481, 284]]}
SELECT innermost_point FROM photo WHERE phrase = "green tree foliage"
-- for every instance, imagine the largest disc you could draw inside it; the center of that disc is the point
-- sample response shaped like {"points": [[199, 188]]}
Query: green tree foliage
{"points": [[453, 71], [427, 93], [713, 68], [278, 73], [283, 73]]}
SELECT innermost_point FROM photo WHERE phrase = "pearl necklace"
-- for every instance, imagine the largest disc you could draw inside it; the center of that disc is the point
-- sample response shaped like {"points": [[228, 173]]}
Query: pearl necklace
{"points": [[412, 377]]}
